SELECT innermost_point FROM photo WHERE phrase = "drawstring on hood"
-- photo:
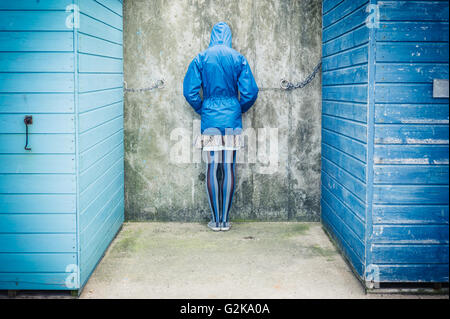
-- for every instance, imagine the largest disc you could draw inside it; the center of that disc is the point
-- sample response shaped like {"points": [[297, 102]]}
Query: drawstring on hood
{"points": [[220, 34]]}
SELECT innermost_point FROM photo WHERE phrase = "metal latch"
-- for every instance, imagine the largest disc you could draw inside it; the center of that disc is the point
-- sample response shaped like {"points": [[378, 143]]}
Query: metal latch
{"points": [[28, 120]]}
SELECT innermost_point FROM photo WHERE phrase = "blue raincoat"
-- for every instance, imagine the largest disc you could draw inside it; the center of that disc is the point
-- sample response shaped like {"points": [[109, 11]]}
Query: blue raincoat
{"points": [[221, 72]]}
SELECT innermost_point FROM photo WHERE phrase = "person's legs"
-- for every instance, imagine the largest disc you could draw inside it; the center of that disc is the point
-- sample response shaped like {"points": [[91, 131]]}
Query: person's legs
{"points": [[228, 181], [212, 187]]}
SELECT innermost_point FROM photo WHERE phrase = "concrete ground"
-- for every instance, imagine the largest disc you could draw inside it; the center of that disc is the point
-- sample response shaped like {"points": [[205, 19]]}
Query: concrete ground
{"points": [[253, 260]]}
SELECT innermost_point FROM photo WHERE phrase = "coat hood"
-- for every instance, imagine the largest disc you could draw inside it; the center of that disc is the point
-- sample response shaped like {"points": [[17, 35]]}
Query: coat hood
{"points": [[220, 34]]}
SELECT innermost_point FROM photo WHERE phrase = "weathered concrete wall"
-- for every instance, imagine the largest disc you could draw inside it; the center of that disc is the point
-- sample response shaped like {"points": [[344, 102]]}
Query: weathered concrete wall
{"points": [[281, 39]]}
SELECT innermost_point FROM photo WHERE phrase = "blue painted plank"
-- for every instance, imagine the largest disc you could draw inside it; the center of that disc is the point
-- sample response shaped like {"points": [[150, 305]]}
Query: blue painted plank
{"points": [[413, 72], [410, 214], [37, 203], [412, 113], [38, 243], [95, 82], [350, 75], [410, 194], [42, 123], [411, 174], [411, 134], [346, 41], [35, 5], [36, 103], [113, 5], [346, 93], [33, 21], [413, 31], [341, 142], [406, 93], [37, 163], [92, 100], [40, 143], [340, 158], [403, 254], [346, 58], [99, 133], [37, 223], [92, 63], [34, 281], [36, 41], [349, 128], [410, 234], [100, 30], [95, 171], [327, 5], [99, 12], [413, 10], [351, 111], [411, 154], [34, 263], [415, 52], [348, 23], [89, 120], [36, 62], [37, 183], [356, 205], [88, 158], [413, 273], [345, 8], [345, 179], [36, 82], [91, 45]]}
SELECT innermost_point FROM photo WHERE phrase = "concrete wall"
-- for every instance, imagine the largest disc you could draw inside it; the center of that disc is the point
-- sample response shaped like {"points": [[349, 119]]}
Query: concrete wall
{"points": [[281, 39]]}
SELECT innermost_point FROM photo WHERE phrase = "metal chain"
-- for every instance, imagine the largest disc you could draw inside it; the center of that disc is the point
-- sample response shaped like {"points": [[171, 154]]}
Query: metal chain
{"points": [[160, 84], [286, 85]]}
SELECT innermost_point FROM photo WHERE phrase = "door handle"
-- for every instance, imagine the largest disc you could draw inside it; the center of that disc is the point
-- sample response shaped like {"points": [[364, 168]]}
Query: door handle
{"points": [[28, 120]]}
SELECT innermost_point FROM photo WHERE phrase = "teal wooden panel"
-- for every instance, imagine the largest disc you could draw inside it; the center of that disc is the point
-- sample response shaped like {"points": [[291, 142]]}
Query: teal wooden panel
{"points": [[95, 82], [412, 113], [348, 163], [413, 273], [37, 183], [401, 254], [89, 120], [410, 234], [37, 203], [411, 154], [410, 214], [345, 127], [34, 281], [33, 20], [88, 158], [95, 171], [113, 5], [99, 12], [414, 10], [100, 30], [410, 194], [36, 103], [351, 111], [35, 5], [99, 64], [353, 39], [411, 72], [36, 82], [42, 123], [413, 31], [351, 21], [341, 142], [33, 263], [406, 93], [40, 143], [411, 174], [38, 223], [37, 243], [99, 133], [412, 52], [36, 41], [347, 58], [92, 45], [37, 163], [346, 93], [355, 74], [93, 100], [36, 62], [347, 7], [328, 5], [411, 134]]}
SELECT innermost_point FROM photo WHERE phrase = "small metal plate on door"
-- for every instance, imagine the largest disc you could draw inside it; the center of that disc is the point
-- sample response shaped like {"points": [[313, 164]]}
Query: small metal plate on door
{"points": [[440, 89]]}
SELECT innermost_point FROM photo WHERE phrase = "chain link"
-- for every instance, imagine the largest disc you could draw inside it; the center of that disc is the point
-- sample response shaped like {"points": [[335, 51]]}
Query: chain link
{"points": [[286, 85], [160, 84]]}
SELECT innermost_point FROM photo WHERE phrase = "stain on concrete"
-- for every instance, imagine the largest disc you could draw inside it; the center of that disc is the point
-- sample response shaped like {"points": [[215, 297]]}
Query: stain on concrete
{"points": [[281, 39]]}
